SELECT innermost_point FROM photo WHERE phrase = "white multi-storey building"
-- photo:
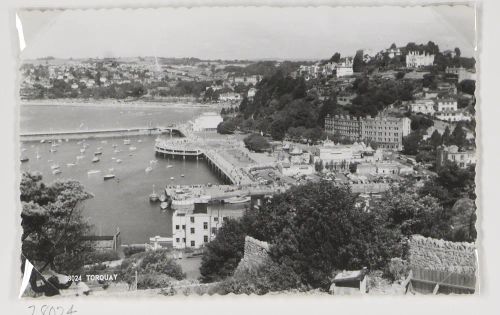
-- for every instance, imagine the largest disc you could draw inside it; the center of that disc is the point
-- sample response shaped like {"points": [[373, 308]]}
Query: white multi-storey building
{"points": [[193, 230], [415, 59], [446, 104]]}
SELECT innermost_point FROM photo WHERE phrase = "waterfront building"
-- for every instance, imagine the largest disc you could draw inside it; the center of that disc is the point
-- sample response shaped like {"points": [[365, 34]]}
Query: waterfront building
{"points": [[345, 126], [461, 73], [207, 122], [463, 158], [229, 97], [423, 106], [194, 229], [416, 59], [288, 169]]}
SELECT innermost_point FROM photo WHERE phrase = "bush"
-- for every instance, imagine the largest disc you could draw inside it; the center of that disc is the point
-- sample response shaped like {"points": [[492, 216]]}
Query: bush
{"points": [[153, 281], [131, 250], [159, 262], [96, 257], [270, 277], [398, 269]]}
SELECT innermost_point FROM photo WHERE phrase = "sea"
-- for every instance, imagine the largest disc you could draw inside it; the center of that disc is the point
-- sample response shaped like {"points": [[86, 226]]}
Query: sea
{"points": [[120, 203]]}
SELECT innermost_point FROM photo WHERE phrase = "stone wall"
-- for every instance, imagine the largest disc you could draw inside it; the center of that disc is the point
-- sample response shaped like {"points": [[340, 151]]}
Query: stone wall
{"points": [[433, 254], [256, 253]]}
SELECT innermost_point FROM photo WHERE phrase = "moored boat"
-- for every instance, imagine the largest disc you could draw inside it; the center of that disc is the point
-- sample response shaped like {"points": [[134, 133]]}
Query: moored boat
{"points": [[24, 159], [153, 197], [109, 176], [164, 205], [95, 159], [239, 199]]}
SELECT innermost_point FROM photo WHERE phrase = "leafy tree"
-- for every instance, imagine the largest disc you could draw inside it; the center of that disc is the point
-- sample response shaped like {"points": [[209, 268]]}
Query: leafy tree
{"points": [[458, 136], [447, 136], [278, 129], [53, 228], [226, 127], [464, 221], [223, 254], [414, 214], [436, 139], [411, 143], [335, 58], [358, 65], [256, 142], [317, 228], [467, 86]]}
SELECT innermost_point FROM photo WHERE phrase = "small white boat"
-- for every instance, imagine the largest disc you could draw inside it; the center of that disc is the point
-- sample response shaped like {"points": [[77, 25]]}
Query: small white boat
{"points": [[164, 205], [132, 148], [79, 157], [126, 141], [54, 167], [117, 151], [240, 199], [37, 155], [148, 169], [70, 164], [118, 161], [154, 196], [53, 150], [54, 144], [182, 175], [42, 141], [109, 176], [56, 171], [91, 172], [140, 140], [99, 148], [82, 150], [170, 166], [95, 159], [59, 140], [172, 178], [98, 153], [163, 197]]}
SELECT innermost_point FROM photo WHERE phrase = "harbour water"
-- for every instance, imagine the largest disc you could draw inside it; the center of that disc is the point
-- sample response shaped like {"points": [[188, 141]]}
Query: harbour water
{"points": [[121, 202]]}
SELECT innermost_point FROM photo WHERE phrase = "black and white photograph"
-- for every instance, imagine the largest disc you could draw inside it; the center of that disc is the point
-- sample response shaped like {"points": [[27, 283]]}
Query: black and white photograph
{"points": [[209, 151]]}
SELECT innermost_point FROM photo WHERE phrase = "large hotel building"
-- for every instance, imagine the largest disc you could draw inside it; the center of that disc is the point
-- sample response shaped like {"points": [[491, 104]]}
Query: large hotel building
{"points": [[387, 132]]}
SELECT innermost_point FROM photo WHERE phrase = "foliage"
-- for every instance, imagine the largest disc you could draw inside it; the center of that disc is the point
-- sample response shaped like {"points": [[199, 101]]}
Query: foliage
{"points": [[223, 254], [131, 250], [411, 143], [160, 261], [398, 269], [256, 142], [269, 277], [53, 228], [226, 127], [316, 229], [412, 213], [101, 256], [467, 86], [153, 281]]}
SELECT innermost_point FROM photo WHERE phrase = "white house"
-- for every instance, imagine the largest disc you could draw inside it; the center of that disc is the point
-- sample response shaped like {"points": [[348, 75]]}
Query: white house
{"points": [[415, 59], [446, 104], [423, 106], [194, 230]]}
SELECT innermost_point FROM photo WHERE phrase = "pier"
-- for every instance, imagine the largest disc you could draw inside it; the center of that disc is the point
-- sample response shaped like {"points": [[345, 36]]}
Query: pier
{"points": [[98, 133]]}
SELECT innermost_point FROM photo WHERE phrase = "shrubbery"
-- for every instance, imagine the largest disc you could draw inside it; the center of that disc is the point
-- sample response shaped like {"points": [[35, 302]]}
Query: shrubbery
{"points": [[101, 256]]}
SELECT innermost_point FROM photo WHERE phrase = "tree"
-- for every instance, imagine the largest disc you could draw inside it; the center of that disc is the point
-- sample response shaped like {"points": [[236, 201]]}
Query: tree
{"points": [[411, 143], [335, 58], [278, 129], [436, 139], [447, 136], [358, 64], [256, 142], [412, 214], [226, 127], [53, 228], [223, 254], [467, 86], [317, 228], [457, 52], [458, 136]]}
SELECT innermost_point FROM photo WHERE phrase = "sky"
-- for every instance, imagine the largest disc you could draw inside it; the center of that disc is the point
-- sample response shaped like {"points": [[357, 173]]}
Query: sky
{"points": [[242, 32]]}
